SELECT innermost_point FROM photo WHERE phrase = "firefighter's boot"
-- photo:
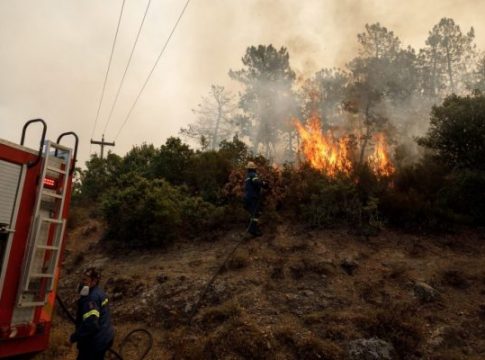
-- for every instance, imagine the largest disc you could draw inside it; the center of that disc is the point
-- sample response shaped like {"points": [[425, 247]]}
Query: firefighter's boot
{"points": [[253, 228]]}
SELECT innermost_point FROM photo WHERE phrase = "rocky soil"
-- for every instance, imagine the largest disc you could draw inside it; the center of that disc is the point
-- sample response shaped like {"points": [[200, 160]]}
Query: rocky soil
{"points": [[292, 294]]}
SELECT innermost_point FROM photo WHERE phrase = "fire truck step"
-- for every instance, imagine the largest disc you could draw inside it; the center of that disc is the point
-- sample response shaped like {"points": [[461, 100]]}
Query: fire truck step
{"points": [[31, 304], [52, 220], [48, 247], [42, 275], [57, 170], [57, 196]]}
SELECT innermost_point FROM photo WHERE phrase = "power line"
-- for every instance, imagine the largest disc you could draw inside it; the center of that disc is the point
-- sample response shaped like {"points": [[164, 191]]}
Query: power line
{"points": [[107, 70], [127, 66], [153, 69]]}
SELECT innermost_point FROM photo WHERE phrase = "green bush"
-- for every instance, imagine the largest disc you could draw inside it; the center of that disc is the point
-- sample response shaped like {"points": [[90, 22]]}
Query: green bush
{"points": [[410, 210], [200, 216], [142, 213], [457, 132], [173, 161], [332, 203], [140, 160], [464, 194], [203, 190], [145, 213], [426, 196], [319, 200], [99, 177], [208, 173]]}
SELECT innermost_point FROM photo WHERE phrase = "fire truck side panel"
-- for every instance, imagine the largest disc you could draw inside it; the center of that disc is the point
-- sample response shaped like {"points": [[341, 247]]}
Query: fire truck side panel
{"points": [[28, 327], [10, 182], [23, 345], [14, 259]]}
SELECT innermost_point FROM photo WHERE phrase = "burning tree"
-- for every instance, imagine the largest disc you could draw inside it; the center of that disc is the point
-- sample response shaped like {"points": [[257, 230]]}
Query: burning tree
{"points": [[333, 155], [324, 94], [324, 151]]}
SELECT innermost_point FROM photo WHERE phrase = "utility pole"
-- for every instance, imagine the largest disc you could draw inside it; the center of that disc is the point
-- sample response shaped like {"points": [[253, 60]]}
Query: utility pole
{"points": [[102, 143]]}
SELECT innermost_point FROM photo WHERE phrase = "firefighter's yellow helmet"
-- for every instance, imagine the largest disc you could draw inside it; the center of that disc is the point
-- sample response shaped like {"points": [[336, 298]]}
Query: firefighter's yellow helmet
{"points": [[251, 165]]}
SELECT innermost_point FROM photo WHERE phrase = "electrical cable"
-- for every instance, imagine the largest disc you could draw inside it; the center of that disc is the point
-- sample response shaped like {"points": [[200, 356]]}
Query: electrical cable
{"points": [[107, 72], [126, 68], [123, 341], [152, 70]]}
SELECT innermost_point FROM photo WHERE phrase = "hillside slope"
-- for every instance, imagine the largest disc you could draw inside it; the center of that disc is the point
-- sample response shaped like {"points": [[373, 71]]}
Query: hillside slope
{"points": [[291, 294]]}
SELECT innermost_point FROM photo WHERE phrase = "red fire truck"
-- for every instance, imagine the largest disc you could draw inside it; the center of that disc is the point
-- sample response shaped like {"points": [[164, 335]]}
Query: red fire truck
{"points": [[35, 191]]}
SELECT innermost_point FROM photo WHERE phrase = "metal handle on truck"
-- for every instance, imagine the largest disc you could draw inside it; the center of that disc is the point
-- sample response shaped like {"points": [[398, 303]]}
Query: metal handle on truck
{"points": [[44, 130], [75, 148]]}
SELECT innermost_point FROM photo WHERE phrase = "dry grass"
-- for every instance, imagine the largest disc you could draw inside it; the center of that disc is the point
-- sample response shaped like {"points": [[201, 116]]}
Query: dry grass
{"points": [[211, 318], [238, 261], [235, 339], [400, 325], [300, 344], [59, 347], [286, 297]]}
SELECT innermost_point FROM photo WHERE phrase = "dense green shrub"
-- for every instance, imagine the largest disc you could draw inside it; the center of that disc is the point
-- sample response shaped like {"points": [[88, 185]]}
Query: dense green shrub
{"points": [[100, 176], [411, 210], [235, 151], [428, 196], [145, 213], [331, 203], [173, 161], [464, 193], [410, 202], [140, 160], [457, 132], [319, 200], [154, 195], [200, 216], [208, 173]]}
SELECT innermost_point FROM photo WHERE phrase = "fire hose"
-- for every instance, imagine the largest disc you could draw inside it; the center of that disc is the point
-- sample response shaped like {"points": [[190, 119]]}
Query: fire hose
{"points": [[211, 281], [123, 341], [266, 185]]}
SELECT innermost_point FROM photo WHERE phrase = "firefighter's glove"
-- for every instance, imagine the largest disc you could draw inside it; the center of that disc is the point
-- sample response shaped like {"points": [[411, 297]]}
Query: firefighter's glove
{"points": [[73, 338]]}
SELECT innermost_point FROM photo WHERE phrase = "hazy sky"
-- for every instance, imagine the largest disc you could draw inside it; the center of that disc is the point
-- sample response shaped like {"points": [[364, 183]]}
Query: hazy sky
{"points": [[54, 54]]}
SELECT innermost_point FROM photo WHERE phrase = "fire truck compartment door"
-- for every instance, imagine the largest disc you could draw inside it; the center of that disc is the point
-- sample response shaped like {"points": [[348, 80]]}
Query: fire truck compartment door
{"points": [[9, 183], [9, 186]]}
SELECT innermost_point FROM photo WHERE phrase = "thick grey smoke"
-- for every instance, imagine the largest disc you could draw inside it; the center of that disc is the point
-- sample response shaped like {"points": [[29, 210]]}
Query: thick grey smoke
{"points": [[54, 54]]}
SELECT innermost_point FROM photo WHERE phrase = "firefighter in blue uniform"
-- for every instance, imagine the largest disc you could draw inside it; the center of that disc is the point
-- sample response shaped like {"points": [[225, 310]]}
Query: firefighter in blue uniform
{"points": [[252, 198], [94, 332]]}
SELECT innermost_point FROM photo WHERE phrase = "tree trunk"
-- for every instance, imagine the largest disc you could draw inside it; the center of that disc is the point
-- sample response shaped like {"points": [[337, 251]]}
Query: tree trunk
{"points": [[366, 137], [364, 145], [376, 40], [433, 76], [298, 151], [290, 144], [450, 74], [216, 128]]}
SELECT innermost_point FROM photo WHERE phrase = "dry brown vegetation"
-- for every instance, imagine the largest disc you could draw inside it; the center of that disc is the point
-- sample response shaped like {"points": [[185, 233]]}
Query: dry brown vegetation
{"points": [[294, 294]]}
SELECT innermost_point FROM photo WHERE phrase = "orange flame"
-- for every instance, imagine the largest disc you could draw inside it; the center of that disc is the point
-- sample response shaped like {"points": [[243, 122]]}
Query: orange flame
{"points": [[379, 161], [329, 154], [324, 151]]}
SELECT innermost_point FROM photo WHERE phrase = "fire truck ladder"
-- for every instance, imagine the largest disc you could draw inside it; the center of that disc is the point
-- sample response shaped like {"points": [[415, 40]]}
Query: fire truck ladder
{"points": [[47, 233]]}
